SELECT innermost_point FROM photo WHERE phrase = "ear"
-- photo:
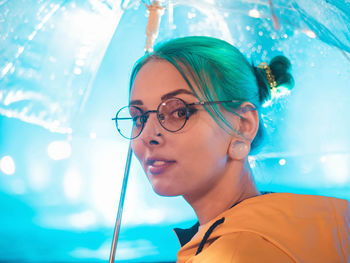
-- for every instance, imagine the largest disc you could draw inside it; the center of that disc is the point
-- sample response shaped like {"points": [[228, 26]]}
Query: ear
{"points": [[249, 121], [247, 127], [238, 150]]}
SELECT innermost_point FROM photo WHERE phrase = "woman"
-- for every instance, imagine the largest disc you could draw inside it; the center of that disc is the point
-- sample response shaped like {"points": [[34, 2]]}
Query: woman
{"points": [[195, 116]]}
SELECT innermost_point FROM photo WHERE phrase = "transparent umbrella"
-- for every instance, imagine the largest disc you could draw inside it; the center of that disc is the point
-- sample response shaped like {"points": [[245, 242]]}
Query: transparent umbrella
{"points": [[64, 65]]}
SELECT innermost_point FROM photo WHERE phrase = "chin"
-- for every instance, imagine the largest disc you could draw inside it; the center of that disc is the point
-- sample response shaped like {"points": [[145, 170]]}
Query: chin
{"points": [[165, 191]]}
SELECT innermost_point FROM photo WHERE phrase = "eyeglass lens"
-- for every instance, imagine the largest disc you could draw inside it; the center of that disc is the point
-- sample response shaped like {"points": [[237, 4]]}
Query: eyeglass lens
{"points": [[172, 114]]}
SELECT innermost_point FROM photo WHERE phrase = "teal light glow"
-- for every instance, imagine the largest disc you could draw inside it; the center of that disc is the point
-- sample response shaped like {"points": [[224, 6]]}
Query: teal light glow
{"points": [[64, 73]]}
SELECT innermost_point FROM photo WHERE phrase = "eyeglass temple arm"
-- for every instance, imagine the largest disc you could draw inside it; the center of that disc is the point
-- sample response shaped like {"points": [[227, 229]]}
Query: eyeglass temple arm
{"points": [[217, 102]]}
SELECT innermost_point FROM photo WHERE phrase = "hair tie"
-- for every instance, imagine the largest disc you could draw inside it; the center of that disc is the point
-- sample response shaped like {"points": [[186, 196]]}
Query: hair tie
{"points": [[270, 77]]}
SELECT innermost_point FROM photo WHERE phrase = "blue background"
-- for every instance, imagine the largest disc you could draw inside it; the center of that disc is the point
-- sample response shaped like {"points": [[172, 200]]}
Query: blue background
{"points": [[65, 67]]}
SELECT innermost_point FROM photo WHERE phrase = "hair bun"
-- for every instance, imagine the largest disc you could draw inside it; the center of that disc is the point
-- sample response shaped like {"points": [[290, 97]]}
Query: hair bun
{"points": [[280, 67]]}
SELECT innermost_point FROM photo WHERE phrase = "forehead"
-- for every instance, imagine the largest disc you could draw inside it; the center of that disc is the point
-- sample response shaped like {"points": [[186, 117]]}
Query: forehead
{"points": [[156, 78]]}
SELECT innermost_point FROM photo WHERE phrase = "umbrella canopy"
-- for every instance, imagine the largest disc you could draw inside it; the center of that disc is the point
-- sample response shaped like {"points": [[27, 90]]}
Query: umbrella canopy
{"points": [[64, 71]]}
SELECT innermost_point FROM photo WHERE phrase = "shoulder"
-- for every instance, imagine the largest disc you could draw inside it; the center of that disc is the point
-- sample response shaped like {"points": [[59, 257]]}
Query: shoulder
{"points": [[249, 247], [295, 205]]}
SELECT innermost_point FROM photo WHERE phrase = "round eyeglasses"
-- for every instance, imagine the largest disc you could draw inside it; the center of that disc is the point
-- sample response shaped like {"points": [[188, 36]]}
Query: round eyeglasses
{"points": [[172, 115]]}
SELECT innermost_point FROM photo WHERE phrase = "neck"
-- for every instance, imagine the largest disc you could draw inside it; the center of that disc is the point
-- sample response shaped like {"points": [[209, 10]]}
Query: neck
{"points": [[235, 185]]}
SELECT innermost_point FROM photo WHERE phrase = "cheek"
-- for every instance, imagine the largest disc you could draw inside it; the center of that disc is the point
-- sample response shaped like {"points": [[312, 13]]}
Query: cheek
{"points": [[206, 150], [138, 149], [203, 162]]}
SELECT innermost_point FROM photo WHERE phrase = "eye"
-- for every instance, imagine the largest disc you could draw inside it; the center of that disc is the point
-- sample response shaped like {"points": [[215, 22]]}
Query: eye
{"points": [[191, 111], [179, 113], [137, 120], [161, 117]]}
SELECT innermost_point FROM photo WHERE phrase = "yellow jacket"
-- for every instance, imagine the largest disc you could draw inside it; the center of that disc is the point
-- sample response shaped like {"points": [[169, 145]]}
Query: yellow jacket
{"points": [[278, 227]]}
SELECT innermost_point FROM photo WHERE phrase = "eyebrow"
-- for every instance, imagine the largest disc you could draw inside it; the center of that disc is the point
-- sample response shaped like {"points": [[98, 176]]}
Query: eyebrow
{"points": [[135, 102], [165, 96], [176, 92]]}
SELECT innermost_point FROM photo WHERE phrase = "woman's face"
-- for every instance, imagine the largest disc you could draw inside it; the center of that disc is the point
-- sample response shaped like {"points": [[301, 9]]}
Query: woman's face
{"points": [[187, 162]]}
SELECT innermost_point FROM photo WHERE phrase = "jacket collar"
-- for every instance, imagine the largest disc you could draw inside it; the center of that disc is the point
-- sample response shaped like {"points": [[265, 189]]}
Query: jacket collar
{"points": [[186, 234]]}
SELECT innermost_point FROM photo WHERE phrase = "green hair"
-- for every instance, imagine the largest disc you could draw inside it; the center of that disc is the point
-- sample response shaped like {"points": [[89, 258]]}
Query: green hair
{"points": [[220, 72]]}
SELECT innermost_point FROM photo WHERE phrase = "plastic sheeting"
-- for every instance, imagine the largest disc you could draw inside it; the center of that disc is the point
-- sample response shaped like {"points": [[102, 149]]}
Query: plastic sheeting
{"points": [[64, 210], [50, 53], [51, 50]]}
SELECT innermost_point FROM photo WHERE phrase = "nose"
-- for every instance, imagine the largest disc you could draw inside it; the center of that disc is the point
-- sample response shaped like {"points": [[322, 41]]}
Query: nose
{"points": [[151, 134]]}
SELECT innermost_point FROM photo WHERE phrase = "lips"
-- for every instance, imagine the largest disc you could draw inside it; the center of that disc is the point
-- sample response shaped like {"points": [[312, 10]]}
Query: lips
{"points": [[158, 165]]}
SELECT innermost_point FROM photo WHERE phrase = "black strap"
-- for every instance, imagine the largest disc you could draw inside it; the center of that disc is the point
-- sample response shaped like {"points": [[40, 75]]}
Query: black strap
{"points": [[218, 222], [207, 234]]}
